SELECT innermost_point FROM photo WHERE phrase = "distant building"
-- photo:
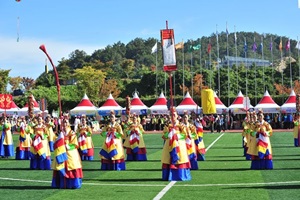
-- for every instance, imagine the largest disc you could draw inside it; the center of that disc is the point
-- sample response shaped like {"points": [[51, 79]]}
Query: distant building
{"points": [[232, 60]]}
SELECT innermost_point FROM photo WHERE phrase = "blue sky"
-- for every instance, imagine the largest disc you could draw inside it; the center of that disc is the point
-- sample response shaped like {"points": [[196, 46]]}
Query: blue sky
{"points": [[66, 25]]}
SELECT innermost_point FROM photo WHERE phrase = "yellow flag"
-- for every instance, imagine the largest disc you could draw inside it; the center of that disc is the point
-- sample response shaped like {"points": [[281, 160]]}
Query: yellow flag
{"points": [[208, 101], [280, 45], [180, 45]]}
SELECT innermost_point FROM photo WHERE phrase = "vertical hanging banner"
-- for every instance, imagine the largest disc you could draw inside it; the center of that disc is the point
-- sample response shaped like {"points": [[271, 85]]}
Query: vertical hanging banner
{"points": [[168, 49], [5, 101]]}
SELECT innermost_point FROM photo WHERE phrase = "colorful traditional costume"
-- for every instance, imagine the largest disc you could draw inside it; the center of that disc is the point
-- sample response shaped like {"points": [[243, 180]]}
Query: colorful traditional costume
{"points": [[112, 152], [6, 140], [198, 138], [262, 154], [40, 151], [25, 141], [189, 131], [49, 129], [296, 132], [86, 146], [67, 167], [175, 161], [134, 142]]}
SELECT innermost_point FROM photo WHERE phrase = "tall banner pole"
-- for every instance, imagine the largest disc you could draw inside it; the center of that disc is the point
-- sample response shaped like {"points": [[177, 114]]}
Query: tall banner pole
{"points": [[169, 58], [43, 48]]}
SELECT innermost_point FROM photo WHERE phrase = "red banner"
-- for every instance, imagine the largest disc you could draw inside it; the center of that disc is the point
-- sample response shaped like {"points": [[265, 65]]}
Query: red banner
{"points": [[5, 101], [168, 49]]}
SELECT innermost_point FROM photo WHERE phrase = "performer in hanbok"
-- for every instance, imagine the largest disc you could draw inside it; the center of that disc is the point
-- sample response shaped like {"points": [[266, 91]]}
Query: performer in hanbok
{"points": [[262, 154], [6, 140], [246, 135], [134, 142], [67, 167], [189, 132], [175, 161], [86, 146], [199, 138], [49, 129], [112, 152], [25, 141], [40, 151], [296, 130]]}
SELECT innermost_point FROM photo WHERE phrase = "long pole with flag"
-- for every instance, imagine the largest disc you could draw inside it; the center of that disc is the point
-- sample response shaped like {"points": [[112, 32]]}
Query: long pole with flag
{"points": [[237, 69], [298, 47], [271, 49], [262, 56], [245, 51], [209, 53], [254, 47], [228, 67], [154, 50], [183, 86], [280, 49], [287, 47], [43, 48], [217, 35]]}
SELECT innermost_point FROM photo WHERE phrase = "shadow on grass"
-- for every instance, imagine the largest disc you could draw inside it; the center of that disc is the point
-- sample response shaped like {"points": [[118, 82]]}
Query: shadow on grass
{"points": [[229, 156], [17, 169], [27, 187], [144, 170], [227, 169], [224, 147], [126, 180], [281, 146], [229, 160], [269, 187]]}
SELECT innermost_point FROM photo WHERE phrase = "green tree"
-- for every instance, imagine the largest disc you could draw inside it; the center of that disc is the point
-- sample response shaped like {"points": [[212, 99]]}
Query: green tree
{"points": [[4, 78]]}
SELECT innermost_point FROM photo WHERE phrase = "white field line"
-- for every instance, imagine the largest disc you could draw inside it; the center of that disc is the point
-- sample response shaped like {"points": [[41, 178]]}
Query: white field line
{"points": [[172, 183], [152, 185]]}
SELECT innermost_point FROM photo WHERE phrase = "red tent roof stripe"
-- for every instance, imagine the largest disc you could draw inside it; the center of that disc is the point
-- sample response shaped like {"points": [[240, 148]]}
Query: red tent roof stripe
{"points": [[85, 102], [161, 100], [267, 99], [187, 100], [136, 101], [110, 102], [239, 99], [292, 98]]}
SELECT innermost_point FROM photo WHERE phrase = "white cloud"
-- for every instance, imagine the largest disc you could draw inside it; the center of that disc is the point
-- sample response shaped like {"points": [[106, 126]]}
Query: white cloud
{"points": [[25, 59]]}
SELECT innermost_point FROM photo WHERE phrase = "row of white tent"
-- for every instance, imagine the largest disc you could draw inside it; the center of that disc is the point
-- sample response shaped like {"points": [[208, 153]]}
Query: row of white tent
{"points": [[239, 106]]}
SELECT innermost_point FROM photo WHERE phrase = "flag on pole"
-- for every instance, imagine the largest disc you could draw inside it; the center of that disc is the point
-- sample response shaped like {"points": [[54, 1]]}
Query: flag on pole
{"points": [[227, 32], [208, 48], [261, 46], [280, 45], [245, 46], [287, 45], [271, 45], [235, 37], [298, 45], [179, 45], [154, 48], [254, 47], [196, 47]]}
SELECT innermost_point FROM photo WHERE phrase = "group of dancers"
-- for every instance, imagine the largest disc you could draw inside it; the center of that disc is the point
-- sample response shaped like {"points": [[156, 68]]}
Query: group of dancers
{"points": [[256, 140], [183, 145]]}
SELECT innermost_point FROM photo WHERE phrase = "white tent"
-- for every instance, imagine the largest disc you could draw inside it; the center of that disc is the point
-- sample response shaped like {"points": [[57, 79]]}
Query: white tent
{"points": [[36, 108], [240, 104], [110, 105], [160, 106], [220, 107], [12, 111], [137, 106], [290, 104], [267, 104], [188, 105], [85, 107]]}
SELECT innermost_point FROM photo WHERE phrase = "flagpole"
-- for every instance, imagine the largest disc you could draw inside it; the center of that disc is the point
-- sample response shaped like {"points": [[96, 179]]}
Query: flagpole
{"points": [[192, 71], [246, 67], [183, 86], [280, 48], [218, 61], [210, 66], [289, 49], [298, 47], [262, 56], [255, 83], [237, 69], [156, 89], [271, 49], [228, 86]]}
